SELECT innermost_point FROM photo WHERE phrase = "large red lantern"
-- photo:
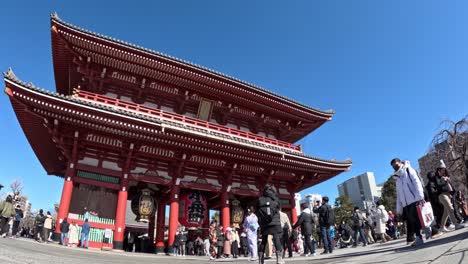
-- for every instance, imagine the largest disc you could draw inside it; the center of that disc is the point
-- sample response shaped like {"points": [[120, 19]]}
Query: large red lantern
{"points": [[193, 209]]}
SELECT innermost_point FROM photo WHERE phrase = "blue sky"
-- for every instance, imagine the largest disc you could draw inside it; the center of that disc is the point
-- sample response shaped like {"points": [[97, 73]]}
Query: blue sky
{"points": [[391, 70]]}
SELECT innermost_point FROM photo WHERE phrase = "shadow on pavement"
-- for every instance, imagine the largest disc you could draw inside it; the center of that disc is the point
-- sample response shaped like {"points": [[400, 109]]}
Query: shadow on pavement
{"points": [[430, 243]]}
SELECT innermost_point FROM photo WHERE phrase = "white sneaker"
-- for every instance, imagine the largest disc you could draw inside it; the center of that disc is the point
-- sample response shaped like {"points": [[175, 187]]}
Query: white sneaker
{"points": [[459, 226], [314, 254], [451, 226], [445, 230]]}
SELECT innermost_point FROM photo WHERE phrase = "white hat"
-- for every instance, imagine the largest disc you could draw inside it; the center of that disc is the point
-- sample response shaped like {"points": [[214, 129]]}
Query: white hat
{"points": [[442, 164]]}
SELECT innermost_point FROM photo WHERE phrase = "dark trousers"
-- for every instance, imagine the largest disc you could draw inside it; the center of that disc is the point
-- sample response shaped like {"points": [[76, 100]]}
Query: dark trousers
{"points": [[4, 225], [220, 251], [327, 241], [38, 233], [412, 220], [361, 234], [235, 248], [245, 247], [456, 210], [15, 227], [309, 246], [286, 243], [276, 242]]}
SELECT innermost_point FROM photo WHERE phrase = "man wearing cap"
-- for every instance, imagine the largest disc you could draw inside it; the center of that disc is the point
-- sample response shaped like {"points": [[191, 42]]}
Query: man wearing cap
{"points": [[325, 213], [410, 194]]}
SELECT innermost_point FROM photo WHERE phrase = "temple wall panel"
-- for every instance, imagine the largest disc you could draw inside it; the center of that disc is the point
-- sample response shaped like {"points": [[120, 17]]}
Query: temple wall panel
{"points": [[91, 198]]}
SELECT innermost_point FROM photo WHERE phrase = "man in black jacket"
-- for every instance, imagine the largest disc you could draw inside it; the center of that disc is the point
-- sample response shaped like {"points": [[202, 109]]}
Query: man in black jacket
{"points": [[306, 223], [268, 208], [325, 220], [39, 223], [64, 228]]}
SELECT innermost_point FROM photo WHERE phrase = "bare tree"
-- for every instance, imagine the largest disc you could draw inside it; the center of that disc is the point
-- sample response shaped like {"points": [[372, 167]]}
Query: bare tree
{"points": [[16, 186], [451, 145]]}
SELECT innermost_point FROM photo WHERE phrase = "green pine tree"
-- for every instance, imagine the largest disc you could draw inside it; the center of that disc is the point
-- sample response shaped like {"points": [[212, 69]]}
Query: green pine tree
{"points": [[389, 194], [343, 209]]}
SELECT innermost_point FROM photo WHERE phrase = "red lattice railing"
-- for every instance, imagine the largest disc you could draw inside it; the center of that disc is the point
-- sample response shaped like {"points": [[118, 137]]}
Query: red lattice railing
{"points": [[181, 118]]}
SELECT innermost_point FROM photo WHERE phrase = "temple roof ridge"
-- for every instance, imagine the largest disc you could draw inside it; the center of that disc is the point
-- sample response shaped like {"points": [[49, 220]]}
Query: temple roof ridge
{"points": [[54, 17], [9, 75]]}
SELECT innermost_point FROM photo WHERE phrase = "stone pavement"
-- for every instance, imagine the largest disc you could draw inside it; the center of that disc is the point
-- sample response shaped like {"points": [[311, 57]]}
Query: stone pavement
{"points": [[451, 248]]}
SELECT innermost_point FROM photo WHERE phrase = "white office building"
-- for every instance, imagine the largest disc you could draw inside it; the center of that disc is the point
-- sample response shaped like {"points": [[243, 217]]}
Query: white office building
{"points": [[361, 190]]}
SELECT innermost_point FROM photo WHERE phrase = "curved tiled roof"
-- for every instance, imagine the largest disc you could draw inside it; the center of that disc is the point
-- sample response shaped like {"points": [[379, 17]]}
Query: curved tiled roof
{"points": [[57, 19], [9, 75]]}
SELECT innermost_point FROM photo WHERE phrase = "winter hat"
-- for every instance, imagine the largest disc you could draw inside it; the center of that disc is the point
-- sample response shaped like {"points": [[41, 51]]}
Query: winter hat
{"points": [[442, 165]]}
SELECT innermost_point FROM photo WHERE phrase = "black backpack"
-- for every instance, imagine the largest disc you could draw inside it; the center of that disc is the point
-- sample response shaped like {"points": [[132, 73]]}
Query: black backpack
{"points": [[356, 220], [331, 216], [267, 209]]}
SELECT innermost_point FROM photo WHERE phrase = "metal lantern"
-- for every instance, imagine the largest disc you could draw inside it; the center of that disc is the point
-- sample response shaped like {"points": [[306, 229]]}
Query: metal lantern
{"points": [[193, 209], [237, 214], [143, 206]]}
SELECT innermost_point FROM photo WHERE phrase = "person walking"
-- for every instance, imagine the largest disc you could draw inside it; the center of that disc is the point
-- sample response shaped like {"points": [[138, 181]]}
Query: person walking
{"points": [[227, 250], [235, 241], [64, 229], [446, 190], [433, 196], [251, 226], [6, 212], [47, 227], [326, 219], [39, 224], [410, 194], [73, 235], [17, 220], [85, 234], [268, 207], [381, 217], [333, 235], [358, 222], [244, 243], [306, 222], [285, 238], [220, 242], [182, 238]]}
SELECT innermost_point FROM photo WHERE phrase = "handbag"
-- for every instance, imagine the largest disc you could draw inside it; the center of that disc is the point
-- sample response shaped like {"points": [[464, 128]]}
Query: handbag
{"points": [[425, 214]]}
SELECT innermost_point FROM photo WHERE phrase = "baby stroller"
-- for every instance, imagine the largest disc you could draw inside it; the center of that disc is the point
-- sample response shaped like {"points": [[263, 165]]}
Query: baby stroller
{"points": [[344, 236]]}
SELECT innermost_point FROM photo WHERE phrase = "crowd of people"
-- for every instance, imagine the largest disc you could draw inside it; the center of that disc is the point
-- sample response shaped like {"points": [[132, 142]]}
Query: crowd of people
{"points": [[41, 227], [266, 230]]}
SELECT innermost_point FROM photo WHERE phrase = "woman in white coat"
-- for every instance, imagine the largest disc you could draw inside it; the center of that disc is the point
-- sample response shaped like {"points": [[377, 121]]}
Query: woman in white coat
{"points": [[381, 222]]}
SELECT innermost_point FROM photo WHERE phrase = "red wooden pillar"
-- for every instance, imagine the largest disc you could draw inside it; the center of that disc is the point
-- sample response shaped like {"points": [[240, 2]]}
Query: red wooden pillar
{"points": [[292, 201], [173, 216], [294, 215], [119, 227], [65, 200], [160, 228], [225, 210], [120, 219]]}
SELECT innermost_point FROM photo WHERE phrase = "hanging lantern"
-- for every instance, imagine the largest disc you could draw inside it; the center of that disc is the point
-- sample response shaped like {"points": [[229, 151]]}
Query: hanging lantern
{"points": [[237, 214], [143, 206], [193, 209]]}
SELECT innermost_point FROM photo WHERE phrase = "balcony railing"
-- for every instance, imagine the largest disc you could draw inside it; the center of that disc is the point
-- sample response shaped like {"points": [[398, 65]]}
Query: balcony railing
{"points": [[180, 118]]}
